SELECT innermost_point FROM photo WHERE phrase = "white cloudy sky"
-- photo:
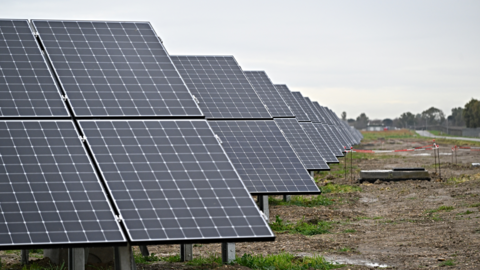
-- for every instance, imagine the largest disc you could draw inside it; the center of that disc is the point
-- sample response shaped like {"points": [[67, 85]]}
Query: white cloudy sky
{"points": [[378, 57]]}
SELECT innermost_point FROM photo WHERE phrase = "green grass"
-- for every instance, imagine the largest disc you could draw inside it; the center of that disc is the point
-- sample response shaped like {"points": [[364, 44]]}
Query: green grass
{"points": [[35, 266], [441, 208], [389, 134], [468, 212], [284, 261], [300, 200], [311, 227], [475, 205], [447, 263], [436, 218], [337, 188], [345, 249], [213, 260]]}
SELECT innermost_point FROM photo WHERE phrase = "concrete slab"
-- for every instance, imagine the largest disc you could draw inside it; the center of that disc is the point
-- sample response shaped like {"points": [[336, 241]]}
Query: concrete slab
{"points": [[391, 175]]}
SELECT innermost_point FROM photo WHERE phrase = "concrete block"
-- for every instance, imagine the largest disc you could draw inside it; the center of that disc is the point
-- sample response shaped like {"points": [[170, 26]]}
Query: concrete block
{"points": [[391, 175]]}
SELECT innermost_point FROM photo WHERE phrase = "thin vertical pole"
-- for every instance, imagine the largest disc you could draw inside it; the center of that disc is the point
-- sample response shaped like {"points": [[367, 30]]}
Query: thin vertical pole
{"points": [[439, 164], [351, 162], [435, 156], [346, 160]]}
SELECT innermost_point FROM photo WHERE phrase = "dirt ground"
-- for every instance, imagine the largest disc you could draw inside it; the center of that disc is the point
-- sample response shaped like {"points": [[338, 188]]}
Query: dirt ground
{"points": [[387, 224]]}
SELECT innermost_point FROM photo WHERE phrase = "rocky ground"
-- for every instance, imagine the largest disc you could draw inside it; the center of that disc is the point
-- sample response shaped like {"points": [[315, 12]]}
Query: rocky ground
{"points": [[403, 225]]}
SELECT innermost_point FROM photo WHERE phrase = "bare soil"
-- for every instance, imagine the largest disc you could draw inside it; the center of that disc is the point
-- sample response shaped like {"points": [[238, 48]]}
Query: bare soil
{"points": [[387, 223]]}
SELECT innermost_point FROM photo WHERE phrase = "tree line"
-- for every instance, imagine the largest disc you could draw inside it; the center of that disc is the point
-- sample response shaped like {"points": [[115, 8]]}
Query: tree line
{"points": [[468, 116]]}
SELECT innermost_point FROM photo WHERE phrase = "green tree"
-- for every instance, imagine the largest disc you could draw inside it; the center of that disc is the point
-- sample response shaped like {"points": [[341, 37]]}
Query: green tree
{"points": [[471, 113], [362, 121], [457, 117], [407, 119], [434, 116], [344, 116]]}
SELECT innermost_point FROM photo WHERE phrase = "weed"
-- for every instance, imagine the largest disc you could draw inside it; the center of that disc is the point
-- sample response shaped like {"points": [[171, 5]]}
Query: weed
{"points": [[378, 218], [441, 208], [475, 205], [311, 227], [436, 218], [337, 188], [302, 201], [345, 249], [284, 261], [212, 259], [468, 212], [447, 263], [349, 231], [35, 266]]}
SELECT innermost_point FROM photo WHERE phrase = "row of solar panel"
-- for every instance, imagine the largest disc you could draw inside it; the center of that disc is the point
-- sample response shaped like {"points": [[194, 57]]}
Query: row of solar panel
{"points": [[170, 180]]}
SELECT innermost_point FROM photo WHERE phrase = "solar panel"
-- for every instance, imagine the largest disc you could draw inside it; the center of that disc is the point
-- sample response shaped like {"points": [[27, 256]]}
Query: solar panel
{"points": [[291, 102], [27, 87], [263, 157], [221, 87], [172, 181], [330, 139], [301, 143], [115, 69], [319, 117], [269, 95], [322, 112], [319, 142], [49, 192], [305, 107]]}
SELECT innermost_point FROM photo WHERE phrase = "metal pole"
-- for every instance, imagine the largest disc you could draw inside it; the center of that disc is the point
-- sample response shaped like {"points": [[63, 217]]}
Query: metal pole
{"points": [[144, 251], [123, 258], [76, 258], [435, 156], [228, 252], [186, 252], [24, 256], [263, 205], [351, 162], [439, 164], [346, 160]]}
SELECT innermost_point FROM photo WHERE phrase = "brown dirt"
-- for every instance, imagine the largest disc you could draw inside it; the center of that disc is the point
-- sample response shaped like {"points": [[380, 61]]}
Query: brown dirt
{"points": [[387, 222]]}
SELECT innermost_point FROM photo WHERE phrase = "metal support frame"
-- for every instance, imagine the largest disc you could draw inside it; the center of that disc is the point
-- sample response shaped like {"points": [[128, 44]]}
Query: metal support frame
{"points": [[123, 258], [76, 259], [263, 205], [186, 252], [228, 252], [144, 251], [24, 256], [287, 198]]}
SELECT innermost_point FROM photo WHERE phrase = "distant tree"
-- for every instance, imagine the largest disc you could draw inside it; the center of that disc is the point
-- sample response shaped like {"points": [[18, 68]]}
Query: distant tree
{"points": [[387, 122], [433, 116], [397, 123], [471, 113], [407, 119], [350, 120], [344, 116], [362, 121], [457, 117]]}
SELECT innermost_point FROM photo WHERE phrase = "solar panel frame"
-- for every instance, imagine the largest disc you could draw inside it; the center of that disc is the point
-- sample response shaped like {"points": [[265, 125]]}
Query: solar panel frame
{"points": [[25, 75], [268, 94], [301, 144], [292, 102], [115, 69], [315, 136], [333, 142], [50, 192], [204, 200], [305, 107], [221, 87], [263, 157]]}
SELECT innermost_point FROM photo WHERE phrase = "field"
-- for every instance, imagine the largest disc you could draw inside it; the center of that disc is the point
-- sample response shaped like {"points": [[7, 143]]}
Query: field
{"points": [[399, 225]]}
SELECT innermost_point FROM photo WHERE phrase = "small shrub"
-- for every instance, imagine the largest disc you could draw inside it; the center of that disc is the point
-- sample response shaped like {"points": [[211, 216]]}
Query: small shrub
{"points": [[448, 263]]}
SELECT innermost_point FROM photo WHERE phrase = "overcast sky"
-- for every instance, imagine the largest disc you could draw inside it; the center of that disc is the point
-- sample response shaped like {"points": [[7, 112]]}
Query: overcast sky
{"points": [[378, 57]]}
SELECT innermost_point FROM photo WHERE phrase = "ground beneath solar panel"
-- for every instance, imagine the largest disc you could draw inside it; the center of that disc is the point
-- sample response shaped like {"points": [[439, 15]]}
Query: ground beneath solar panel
{"points": [[403, 225]]}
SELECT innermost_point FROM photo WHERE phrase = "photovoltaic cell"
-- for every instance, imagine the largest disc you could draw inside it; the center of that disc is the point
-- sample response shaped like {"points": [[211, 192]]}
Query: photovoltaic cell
{"points": [[263, 157], [291, 102], [305, 107], [301, 144], [314, 111], [319, 142], [330, 139], [115, 69], [322, 112], [172, 181], [27, 87], [49, 192], [269, 95], [221, 87]]}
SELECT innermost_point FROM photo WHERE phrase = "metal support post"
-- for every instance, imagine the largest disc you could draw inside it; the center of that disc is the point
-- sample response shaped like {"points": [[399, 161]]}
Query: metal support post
{"points": [[186, 252], [439, 164], [24, 256], [76, 259], [287, 198], [144, 251], [123, 258], [228, 252], [263, 205]]}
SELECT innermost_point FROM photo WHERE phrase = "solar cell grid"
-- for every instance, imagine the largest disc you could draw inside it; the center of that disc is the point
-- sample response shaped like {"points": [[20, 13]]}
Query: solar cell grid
{"points": [[333, 143], [49, 192], [172, 181], [301, 143], [314, 110], [305, 107], [221, 87], [115, 69], [291, 102], [269, 95], [27, 87], [319, 142], [263, 157]]}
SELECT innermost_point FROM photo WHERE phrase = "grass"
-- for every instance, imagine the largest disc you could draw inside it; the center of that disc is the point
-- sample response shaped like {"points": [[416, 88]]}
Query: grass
{"points": [[284, 261], [463, 178], [447, 263], [300, 200], [311, 227], [345, 249], [36, 266], [337, 188], [468, 212], [475, 205], [388, 134], [441, 208], [349, 231], [436, 218]]}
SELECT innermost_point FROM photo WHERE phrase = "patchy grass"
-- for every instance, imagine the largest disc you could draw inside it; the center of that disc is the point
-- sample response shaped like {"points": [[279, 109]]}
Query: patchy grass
{"points": [[463, 178], [349, 231], [213, 260], [311, 227], [345, 249], [284, 261], [36, 266], [447, 263], [388, 134], [475, 205], [140, 259], [441, 208], [468, 212], [300, 200], [337, 188]]}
